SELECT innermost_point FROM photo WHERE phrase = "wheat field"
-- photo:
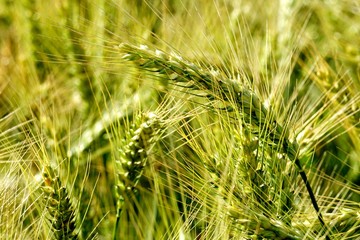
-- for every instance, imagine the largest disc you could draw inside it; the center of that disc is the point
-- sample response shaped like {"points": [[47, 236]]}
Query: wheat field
{"points": [[165, 119]]}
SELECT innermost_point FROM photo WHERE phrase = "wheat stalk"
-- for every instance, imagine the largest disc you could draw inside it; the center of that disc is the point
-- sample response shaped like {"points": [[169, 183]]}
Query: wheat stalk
{"points": [[59, 206], [254, 114], [133, 158]]}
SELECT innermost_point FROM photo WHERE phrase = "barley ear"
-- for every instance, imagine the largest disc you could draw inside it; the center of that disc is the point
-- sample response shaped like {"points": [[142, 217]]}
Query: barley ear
{"points": [[62, 214], [217, 86], [348, 221], [133, 158]]}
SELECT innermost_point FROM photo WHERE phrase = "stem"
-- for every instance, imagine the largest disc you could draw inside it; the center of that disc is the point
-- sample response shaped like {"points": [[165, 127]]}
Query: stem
{"points": [[118, 213], [311, 194]]}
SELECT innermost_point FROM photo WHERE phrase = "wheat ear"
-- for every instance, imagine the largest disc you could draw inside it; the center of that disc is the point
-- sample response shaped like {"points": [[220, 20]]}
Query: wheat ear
{"points": [[62, 214], [347, 222], [133, 158], [253, 112], [261, 226]]}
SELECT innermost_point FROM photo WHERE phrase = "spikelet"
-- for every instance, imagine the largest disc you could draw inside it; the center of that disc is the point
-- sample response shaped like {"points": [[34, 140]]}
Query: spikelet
{"points": [[262, 227], [348, 221], [62, 214]]}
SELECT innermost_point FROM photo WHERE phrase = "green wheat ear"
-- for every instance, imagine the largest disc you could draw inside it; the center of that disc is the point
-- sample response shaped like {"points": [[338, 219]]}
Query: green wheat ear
{"points": [[62, 214], [255, 116], [137, 144]]}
